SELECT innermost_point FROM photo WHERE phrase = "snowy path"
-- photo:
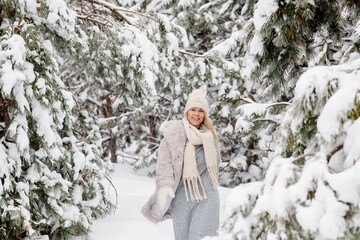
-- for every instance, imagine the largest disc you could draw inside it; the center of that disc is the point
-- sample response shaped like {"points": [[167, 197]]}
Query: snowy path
{"points": [[128, 223]]}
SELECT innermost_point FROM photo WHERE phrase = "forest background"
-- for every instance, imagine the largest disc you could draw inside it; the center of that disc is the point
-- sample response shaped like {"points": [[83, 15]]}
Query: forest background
{"points": [[88, 82]]}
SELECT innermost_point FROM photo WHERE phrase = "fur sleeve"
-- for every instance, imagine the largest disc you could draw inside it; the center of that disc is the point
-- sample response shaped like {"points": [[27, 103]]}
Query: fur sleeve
{"points": [[164, 167]]}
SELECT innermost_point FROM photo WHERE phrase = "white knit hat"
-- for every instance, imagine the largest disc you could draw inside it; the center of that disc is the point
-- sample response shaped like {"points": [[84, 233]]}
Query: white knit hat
{"points": [[197, 99]]}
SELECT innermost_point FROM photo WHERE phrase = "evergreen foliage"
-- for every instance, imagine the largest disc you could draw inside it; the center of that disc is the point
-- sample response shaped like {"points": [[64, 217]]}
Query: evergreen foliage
{"points": [[307, 188], [87, 82], [311, 196], [52, 176]]}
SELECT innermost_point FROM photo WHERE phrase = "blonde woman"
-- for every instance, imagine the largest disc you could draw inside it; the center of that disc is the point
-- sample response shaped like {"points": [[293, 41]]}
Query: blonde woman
{"points": [[187, 174]]}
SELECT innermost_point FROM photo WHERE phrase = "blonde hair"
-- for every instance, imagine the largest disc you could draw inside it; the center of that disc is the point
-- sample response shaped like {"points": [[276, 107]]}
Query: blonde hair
{"points": [[207, 124]]}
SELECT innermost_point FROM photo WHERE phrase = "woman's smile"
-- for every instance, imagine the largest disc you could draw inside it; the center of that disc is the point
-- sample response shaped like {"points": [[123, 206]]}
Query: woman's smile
{"points": [[196, 116]]}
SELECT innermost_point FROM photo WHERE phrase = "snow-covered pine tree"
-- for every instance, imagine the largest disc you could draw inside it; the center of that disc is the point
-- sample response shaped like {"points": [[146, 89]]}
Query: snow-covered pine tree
{"points": [[133, 64], [240, 47], [52, 177], [145, 71], [109, 71], [216, 28], [183, 73], [319, 198], [242, 155], [310, 189], [207, 70], [273, 46]]}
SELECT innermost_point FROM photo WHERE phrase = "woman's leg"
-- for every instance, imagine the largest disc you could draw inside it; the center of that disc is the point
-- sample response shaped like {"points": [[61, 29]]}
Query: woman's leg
{"points": [[181, 213], [181, 225], [205, 219]]}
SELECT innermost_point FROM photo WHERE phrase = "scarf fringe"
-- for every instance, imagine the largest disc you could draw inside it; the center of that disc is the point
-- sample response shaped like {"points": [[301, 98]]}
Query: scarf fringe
{"points": [[212, 170], [191, 185]]}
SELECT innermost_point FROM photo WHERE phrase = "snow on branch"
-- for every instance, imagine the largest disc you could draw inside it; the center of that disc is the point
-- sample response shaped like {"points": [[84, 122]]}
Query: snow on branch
{"points": [[137, 13], [90, 18], [252, 108], [20, 25], [117, 10], [277, 104], [197, 55], [104, 120], [302, 157], [266, 120], [112, 8]]}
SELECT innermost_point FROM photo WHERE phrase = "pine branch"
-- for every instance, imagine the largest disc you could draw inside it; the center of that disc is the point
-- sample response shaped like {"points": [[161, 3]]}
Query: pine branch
{"points": [[192, 54], [334, 151], [88, 18], [278, 104], [197, 55], [19, 25], [93, 102], [22, 18], [106, 139], [120, 116], [246, 100], [116, 193], [266, 119], [114, 10], [302, 157], [259, 235], [137, 13], [126, 156], [313, 154]]}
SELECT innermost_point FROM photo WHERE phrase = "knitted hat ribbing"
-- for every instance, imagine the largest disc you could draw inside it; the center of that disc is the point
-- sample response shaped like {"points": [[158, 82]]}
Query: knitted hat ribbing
{"points": [[197, 99]]}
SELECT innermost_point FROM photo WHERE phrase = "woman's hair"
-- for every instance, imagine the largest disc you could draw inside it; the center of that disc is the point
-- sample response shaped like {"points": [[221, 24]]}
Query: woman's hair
{"points": [[208, 124]]}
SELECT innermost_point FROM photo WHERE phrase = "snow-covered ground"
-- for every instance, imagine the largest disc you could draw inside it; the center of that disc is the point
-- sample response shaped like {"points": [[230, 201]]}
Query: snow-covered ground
{"points": [[128, 223]]}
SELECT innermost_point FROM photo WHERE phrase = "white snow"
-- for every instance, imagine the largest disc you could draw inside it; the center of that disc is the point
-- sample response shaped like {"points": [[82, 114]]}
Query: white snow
{"points": [[150, 79], [352, 144], [225, 111], [127, 222], [256, 45], [240, 195], [174, 44], [242, 125], [263, 10], [9, 77], [309, 217], [329, 122], [321, 80], [79, 163], [346, 184], [44, 122], [250, 109], [332, 223], [225, 47], [227, 130], [186, 3], [31, 6]]}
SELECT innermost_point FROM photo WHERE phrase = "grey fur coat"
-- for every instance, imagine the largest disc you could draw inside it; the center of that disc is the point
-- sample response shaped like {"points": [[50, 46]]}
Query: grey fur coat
{"points": [[168, 168]]}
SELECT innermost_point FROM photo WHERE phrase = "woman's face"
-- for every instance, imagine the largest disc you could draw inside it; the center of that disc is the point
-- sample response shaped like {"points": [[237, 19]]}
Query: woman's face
{"points": [[195, 116]]}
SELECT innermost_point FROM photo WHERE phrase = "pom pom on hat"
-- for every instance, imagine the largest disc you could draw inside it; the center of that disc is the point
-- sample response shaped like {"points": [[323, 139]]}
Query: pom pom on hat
{"points": [[197, 99]]}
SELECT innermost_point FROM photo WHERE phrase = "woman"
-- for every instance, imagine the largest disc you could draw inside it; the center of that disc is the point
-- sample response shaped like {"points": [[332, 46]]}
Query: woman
{"points": [[186, 174]]}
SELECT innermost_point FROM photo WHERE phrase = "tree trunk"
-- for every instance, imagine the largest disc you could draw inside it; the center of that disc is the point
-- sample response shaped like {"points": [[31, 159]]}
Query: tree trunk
{"points": [[108, 112]]}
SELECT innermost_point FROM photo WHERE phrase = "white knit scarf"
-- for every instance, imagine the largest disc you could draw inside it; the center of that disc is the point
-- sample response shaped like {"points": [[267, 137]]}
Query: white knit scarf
{"points": [[191, 174]]}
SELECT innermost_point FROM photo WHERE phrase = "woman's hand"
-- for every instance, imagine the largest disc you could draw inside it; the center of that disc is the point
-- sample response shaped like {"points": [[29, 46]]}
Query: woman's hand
{"points": [[163, 194]]}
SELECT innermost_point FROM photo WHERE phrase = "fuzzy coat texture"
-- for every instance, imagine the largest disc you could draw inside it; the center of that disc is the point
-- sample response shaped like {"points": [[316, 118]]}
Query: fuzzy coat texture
{"points": [[169, 168]]}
